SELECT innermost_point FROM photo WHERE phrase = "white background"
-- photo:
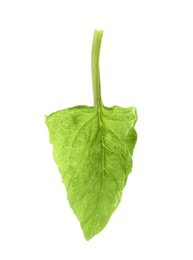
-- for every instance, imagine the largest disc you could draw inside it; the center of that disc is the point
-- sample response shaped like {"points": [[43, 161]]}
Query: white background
{"points": [[147, 62]]}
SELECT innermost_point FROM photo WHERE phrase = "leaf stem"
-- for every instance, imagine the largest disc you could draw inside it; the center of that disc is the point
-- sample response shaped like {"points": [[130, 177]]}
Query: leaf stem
{"points": [[96, 44]]}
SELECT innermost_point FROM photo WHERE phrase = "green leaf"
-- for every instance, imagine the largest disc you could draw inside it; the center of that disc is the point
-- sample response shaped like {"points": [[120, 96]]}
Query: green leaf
{"points": [[93, 147]]}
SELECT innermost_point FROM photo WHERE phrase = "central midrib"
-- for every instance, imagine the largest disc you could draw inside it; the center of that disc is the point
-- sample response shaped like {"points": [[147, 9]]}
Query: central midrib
{"points": [[102, 155]]}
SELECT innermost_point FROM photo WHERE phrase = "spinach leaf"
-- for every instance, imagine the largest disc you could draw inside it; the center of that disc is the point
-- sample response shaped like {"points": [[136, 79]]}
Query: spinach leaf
{"points": [[93, 148]]}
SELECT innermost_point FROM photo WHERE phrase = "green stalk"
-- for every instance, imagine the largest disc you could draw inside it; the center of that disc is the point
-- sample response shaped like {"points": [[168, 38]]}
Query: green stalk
{"points": [[96, 44]]}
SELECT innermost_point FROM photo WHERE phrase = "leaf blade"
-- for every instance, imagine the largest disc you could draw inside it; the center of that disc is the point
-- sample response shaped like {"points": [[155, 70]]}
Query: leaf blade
{"points": [[93, 149]]}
